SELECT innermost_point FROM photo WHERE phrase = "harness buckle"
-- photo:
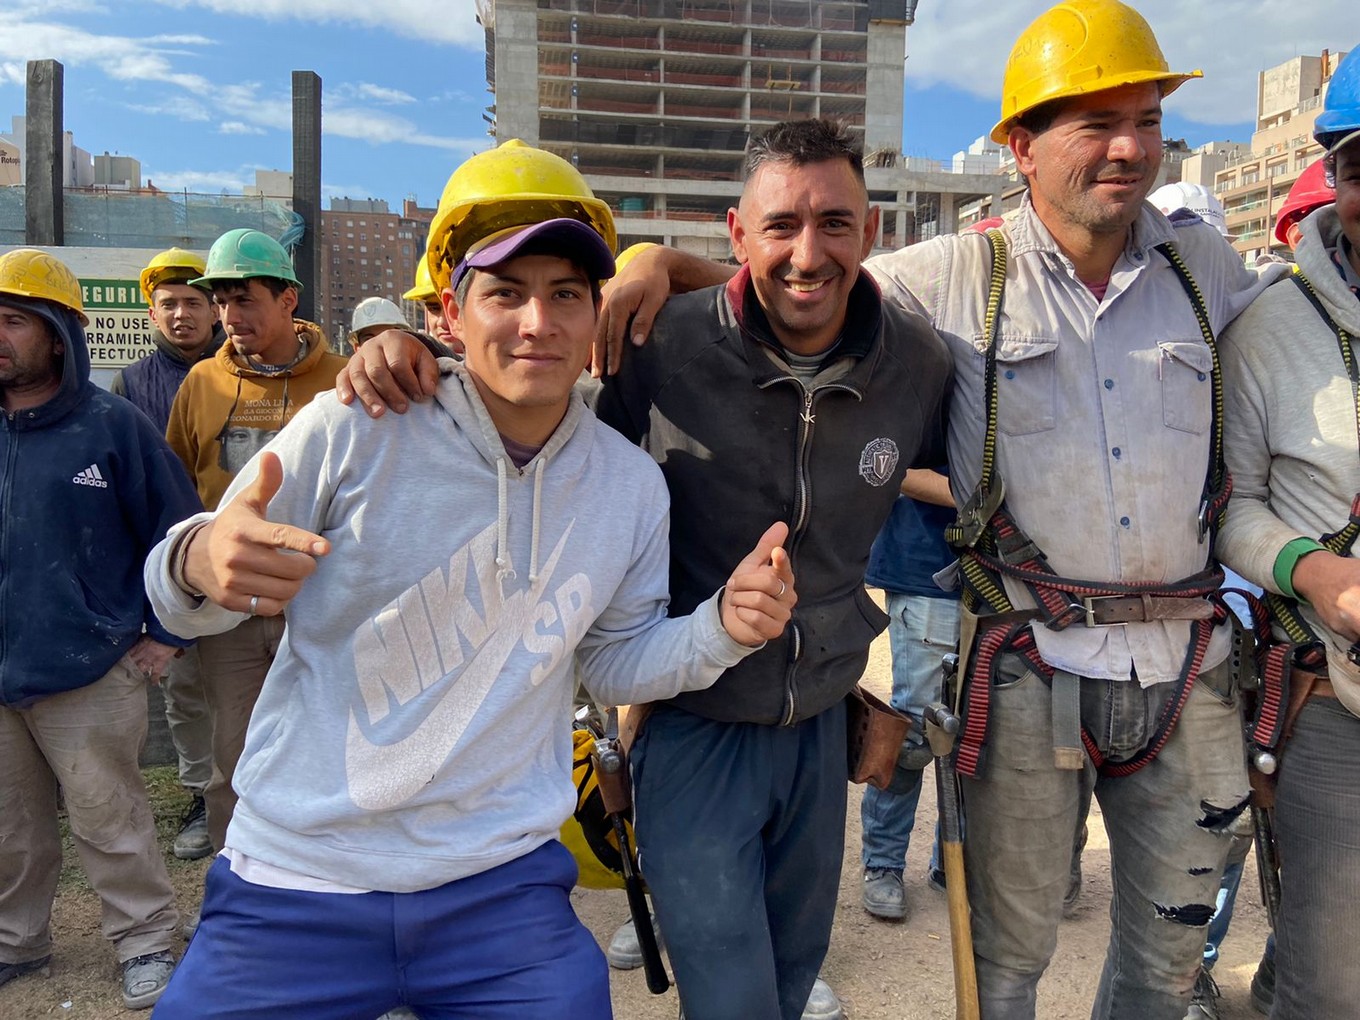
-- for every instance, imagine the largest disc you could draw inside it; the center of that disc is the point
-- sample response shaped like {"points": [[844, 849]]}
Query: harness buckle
{"points": [[1088, 606], [1203, 519]]}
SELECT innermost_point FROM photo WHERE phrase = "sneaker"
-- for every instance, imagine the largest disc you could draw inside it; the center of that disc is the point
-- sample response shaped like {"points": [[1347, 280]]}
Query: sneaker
{"points": [[884, 896], [625, 951], [935, 879], [10, 971], [192, 842], [822, 1003], [190, 924], [145, 978], [1262, 986], [1204, 1000]]}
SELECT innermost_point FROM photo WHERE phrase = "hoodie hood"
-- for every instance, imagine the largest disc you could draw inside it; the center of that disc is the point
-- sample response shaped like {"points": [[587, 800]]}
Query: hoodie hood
{"points": [[314, 343], [163, 344], [1321, 235], [75, 367]]}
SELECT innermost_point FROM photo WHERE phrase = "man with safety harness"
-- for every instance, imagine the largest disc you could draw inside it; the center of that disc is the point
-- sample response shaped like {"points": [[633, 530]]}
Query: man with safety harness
{"points": [[1291, 442]]}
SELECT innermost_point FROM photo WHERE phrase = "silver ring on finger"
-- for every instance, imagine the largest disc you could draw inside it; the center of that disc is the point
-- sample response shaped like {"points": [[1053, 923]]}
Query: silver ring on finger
{"points": [[782, 589], [254, 605]]}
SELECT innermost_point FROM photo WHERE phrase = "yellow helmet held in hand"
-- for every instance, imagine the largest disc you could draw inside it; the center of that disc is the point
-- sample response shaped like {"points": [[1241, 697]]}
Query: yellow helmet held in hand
{"points": [[1076, 48], [29, 273], [509, 186], [174, 265]]}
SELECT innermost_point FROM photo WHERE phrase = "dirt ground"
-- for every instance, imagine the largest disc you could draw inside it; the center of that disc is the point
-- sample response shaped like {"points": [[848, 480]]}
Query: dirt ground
{"points": [[881, 971]]}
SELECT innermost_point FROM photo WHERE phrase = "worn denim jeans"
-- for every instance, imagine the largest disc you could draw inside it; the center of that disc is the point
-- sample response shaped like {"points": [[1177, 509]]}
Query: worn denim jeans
{"points": [[921, 630], [1168, 824], [1317, 823]]}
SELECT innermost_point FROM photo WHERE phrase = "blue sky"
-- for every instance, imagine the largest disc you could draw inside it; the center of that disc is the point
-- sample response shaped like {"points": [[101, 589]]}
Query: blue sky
{"points": [[198, 90]]}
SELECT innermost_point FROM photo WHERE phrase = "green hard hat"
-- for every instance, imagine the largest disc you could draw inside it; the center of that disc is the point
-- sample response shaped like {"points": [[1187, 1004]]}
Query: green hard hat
{"points": [[241, 254]]}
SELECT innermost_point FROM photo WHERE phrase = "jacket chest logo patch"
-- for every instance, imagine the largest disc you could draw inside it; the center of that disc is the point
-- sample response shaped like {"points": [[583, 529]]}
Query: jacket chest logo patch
{"points": [[878, 461], [90, 476]]}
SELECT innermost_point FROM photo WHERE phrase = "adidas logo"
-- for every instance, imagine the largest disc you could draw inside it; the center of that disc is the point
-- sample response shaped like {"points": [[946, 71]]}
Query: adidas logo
{"points": [[91, 476]]}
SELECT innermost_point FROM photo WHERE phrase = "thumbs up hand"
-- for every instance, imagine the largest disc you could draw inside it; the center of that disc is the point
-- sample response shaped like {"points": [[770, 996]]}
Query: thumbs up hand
{"points": [[759, 597], [245, 563]]}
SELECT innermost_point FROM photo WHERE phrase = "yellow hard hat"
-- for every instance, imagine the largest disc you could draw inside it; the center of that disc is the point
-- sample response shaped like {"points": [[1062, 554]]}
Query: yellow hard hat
{"points": [[1080, 47], [424, 290], [628, 254], [509, 186], [29, 273], [174, 265]]}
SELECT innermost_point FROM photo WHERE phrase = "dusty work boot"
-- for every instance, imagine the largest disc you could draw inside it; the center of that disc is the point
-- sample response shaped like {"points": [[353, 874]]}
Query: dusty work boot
{"points": [[884, 896], [625, 951], [1262, 985], [10, 971], [1204, 1001], [189, 924], [145, 978], [935, 879], [822, 1003], [192, 842]]}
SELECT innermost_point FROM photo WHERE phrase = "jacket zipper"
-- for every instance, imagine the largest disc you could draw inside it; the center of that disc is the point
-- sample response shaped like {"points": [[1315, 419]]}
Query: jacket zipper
{"points": [[802, 510]]}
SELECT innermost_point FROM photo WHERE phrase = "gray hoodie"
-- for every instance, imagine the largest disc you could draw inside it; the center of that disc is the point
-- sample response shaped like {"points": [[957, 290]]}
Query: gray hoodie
{"points": [[1290, 427], [415, 726]]}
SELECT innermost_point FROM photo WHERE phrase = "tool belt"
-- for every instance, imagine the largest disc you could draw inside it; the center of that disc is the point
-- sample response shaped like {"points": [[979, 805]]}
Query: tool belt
{"points": [[991, 546]]}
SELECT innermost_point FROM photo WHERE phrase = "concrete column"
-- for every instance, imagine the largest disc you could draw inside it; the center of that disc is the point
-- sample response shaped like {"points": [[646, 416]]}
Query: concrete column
{"points": [[44, 155], [307, 185], [884, 88]]}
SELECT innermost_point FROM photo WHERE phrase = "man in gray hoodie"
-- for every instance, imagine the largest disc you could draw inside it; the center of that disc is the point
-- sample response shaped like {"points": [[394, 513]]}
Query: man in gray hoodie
{"points": [[407, 767], [1291, 432]]}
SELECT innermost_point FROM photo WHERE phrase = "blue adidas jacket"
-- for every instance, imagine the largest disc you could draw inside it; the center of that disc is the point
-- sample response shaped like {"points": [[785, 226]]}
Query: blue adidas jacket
{"points": [[87, 487]]}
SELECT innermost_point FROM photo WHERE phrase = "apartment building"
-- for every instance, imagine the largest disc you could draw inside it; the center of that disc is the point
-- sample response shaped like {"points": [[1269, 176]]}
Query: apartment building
{"points": [[366, 250], [655, 100], [1252, 185]]}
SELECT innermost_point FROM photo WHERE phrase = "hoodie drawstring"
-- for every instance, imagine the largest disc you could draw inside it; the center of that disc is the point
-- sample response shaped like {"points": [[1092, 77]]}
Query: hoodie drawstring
{"points": [[504, 570], [538, 500]]}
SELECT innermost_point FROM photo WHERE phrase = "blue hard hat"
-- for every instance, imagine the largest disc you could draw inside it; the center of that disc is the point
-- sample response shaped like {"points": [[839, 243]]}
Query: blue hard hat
{"points": [[1340, 116]]}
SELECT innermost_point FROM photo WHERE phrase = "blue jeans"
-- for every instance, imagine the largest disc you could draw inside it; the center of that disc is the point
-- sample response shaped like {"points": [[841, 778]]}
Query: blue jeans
{"points": [[501, 945], [921, 631], [1317, 823], [740, 831], [1169, 826]]}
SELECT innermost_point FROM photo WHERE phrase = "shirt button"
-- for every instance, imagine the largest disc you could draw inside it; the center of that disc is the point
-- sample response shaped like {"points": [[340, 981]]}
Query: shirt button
{"points": [[1201, 376], [1138, 256], [1124, 521], [1109, 384], [1116, 451], [1010, 373]]}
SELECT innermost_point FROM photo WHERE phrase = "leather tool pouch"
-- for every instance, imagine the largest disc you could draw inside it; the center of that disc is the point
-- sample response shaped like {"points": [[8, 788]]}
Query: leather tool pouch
{"points": [[874, 735]]}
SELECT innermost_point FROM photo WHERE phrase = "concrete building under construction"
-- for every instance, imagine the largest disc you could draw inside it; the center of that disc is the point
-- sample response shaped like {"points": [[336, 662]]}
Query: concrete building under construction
{"points": [[655, 100]]}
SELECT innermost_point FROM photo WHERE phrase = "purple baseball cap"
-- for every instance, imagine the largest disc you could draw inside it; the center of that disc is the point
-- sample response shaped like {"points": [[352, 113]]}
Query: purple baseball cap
{"points": [[573, 239]]}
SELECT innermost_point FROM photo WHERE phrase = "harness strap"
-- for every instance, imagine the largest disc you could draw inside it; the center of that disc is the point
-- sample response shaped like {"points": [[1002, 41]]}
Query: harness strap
{"points": [[992, 545]]}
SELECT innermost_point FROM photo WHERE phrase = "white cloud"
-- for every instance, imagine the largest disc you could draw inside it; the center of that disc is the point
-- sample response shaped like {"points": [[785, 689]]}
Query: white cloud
{"points": [[964, 44], [451, 22], [201, 181], [236, 127], [381, 94], [179, 107]]}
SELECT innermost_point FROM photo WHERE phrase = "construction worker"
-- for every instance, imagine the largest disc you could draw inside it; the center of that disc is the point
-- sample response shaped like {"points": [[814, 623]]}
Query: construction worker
{"points": [[229, 406], [742, 788], [410, 744], [186, 332], [1183, 198], [1291, 445], [89, 486], [1311, 191], [435, 323], [1096, 427], [372, 316]]}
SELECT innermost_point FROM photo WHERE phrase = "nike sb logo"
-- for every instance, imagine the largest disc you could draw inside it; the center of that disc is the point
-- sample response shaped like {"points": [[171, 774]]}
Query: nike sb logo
{"points": [[431, 649], [91, 476]]}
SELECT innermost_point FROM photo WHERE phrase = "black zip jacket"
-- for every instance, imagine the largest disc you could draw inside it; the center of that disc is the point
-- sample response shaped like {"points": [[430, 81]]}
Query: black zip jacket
{"points": [[743, 443]]}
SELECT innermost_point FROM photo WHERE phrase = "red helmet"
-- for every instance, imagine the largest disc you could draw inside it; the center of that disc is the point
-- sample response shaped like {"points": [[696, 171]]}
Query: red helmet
{"points": [[1308, 192]]}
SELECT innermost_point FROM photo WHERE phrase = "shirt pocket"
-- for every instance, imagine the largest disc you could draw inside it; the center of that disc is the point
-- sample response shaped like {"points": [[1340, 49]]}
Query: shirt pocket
{"points": [[1026, 385], [1187, 401]]}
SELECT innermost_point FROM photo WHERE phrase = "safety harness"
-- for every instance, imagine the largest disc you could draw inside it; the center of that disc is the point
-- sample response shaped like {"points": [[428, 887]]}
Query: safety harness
{"points": [[1300, 646], [991, 546]]}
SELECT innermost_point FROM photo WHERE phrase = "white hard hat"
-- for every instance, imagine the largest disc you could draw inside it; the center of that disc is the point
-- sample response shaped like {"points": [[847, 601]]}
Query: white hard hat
{"points": [[376, 311], [1194, 197]]}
